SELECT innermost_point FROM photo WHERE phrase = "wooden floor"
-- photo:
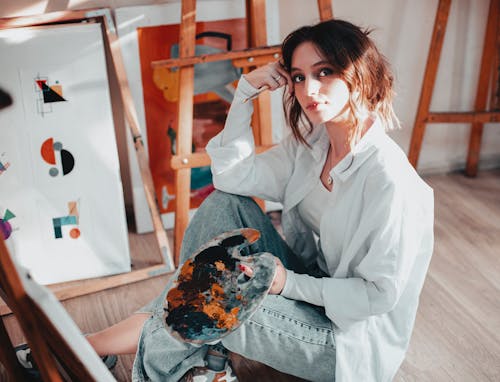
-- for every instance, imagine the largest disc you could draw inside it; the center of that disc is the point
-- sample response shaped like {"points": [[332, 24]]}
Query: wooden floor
{"points": [[457, 332]]}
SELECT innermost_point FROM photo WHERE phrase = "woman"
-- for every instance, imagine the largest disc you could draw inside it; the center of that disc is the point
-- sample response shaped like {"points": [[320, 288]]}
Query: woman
{"points": [[339, 177], [341, 307]]}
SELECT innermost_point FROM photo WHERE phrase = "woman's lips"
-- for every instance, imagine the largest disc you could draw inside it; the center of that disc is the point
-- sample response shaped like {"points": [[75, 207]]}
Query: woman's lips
{"points": [[312, 106]]}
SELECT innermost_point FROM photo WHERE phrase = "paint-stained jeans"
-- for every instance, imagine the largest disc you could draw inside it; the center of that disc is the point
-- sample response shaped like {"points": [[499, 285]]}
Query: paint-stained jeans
{"points": [[291, 336]]}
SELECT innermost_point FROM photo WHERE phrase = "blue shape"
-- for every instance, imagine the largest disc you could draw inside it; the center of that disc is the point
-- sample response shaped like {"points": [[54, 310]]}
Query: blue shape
{"points": [[59, 222]]}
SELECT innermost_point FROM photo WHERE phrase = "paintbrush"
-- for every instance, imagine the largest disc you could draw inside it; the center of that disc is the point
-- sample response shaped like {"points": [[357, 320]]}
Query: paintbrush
{"points": [[256, 94]]}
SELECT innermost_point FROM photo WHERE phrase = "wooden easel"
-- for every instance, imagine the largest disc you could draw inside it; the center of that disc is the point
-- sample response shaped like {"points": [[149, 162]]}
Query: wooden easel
{"points": [[484, 111], [52, 347], [258, 54], [166, 263]]}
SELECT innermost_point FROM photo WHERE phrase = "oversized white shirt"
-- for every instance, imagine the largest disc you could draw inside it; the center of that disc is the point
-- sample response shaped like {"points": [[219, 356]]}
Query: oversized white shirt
{"points": [[376, 233]]}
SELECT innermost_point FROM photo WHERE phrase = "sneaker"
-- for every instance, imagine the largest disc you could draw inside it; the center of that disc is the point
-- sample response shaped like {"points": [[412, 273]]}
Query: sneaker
{"points": [[204, 374], [217, 367], [217, 357], [25, 358]]}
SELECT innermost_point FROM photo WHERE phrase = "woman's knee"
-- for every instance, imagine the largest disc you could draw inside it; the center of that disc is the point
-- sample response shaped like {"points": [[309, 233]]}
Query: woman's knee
{"points": [[218, 213], [223, 210], [223, 200]]}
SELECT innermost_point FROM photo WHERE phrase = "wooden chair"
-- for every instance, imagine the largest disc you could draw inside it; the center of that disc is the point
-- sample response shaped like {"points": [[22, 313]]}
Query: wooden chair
{"points": [[60, 350]]}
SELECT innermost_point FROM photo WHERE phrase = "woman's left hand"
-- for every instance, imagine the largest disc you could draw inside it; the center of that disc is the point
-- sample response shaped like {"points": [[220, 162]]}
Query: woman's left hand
{"points": [[272, 76], [279, 276]]}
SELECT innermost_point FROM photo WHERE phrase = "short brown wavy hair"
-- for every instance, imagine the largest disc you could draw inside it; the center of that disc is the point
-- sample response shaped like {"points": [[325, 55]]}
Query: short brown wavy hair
{"points": [[355, 58]]}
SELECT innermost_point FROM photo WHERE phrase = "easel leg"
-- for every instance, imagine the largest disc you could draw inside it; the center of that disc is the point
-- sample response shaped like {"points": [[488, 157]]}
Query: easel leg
{"points": [[185, 123], [325, 10], [485, 74], [429, 80]]}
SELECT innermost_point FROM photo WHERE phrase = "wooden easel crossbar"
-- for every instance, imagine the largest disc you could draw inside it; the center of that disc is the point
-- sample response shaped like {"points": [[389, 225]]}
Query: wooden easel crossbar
{"points": [[252, 56]]}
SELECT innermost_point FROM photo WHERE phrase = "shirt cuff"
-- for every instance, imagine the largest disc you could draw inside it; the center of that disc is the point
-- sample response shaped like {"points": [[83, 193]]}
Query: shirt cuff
{"points": [[290, 280], [303, 288], [245, 88]]}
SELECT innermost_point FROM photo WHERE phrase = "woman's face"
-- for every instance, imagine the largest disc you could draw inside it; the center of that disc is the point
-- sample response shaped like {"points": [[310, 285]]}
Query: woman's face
{"points": [[321, 93]]}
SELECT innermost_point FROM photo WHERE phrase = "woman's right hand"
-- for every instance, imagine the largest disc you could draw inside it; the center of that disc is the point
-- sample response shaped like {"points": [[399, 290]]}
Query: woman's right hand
{"points": [[272, 76], [279, 279]]}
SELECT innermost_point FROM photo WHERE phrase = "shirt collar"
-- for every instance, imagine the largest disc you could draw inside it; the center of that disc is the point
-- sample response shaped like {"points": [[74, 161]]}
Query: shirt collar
{"points": [[319, 142], [366, 146], [352, 161]]}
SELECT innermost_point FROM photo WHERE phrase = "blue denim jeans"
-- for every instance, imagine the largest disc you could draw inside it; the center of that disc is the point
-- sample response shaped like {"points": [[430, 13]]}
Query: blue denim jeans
{"points": [[291, 336]]}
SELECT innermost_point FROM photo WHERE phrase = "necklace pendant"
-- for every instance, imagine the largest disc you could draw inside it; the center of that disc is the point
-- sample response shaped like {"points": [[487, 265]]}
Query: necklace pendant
{"points": [[329, 181]]}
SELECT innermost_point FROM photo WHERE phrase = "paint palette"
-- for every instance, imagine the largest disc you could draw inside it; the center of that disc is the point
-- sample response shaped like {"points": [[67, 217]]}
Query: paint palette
{"points": [[212, 296]]}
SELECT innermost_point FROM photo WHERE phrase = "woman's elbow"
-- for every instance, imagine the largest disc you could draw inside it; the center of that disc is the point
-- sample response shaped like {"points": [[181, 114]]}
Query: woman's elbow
{"points": [[384, 296]]}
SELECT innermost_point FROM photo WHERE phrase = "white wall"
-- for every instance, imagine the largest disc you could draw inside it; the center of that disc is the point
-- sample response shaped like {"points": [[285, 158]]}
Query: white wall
{"points": [[402, 30]]}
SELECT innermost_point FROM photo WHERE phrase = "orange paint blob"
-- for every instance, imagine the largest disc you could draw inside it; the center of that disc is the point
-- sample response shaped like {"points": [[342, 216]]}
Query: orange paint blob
{"points": [[217, 292], [186, 272], [220, 266], [226, 320], [175, 298]]}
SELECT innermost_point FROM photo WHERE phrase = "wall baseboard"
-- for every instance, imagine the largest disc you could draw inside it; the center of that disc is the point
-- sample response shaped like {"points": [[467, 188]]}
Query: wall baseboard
{"points": [[486, 163]]}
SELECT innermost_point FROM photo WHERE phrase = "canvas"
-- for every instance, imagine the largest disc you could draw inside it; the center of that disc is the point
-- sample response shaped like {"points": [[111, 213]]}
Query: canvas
{"points": [[151, 33], [61, 198]]}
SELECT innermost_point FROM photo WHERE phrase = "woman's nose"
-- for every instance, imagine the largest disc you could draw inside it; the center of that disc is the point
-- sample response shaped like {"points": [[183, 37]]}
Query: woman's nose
{"points": [[312, 86]]}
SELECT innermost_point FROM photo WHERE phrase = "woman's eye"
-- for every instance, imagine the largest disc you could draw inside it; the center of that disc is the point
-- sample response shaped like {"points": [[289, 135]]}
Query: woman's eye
{"points": [[325, 72], [298, 78]]}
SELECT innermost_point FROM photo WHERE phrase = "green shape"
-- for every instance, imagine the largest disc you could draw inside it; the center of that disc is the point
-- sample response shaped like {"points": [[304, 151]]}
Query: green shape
{"points": [[8, 215]]}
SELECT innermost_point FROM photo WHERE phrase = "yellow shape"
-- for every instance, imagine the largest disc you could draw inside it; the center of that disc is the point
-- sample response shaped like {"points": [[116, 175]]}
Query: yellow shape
{"points": [[168, 82], [57, 89]]}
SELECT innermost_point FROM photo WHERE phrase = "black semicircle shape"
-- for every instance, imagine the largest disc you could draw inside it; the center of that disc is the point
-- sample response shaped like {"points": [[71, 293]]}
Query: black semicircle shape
{"points": [[68, 161]]}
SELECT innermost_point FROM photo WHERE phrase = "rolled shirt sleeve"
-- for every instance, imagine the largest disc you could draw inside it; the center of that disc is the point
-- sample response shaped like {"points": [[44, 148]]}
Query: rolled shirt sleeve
{"points": [[346, 301], [303, 288], [235, 166]]}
